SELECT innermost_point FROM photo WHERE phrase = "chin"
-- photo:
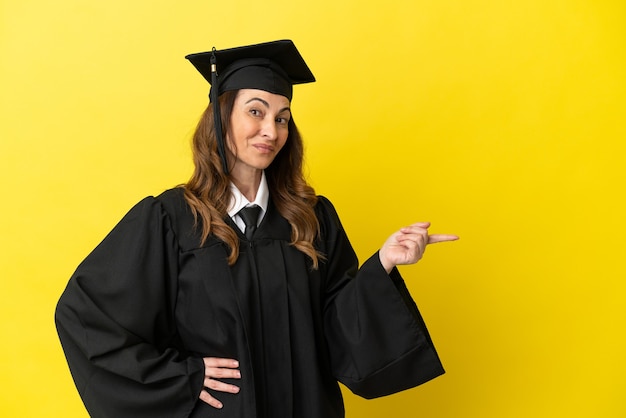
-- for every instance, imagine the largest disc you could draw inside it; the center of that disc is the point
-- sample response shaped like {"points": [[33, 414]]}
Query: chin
{"points": [[262, 165]]}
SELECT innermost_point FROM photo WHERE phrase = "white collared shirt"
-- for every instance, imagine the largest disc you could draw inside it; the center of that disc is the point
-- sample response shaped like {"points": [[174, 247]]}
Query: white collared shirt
{"points": [[239, 201]]}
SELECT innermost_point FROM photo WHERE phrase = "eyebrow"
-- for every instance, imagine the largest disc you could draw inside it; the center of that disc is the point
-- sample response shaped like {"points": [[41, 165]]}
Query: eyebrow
{"points": [[266, 104]]}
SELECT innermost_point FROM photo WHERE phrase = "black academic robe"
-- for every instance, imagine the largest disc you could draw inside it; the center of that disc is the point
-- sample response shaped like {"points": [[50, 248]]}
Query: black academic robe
{"points": [[149, 302]]}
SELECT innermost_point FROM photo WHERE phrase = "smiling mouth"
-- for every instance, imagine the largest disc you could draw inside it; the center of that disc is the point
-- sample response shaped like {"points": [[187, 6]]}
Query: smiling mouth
{"points": [[264, 148]]}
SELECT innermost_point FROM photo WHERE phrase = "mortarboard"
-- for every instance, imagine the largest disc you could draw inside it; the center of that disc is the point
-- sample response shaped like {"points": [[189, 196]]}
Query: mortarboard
{"points": [[272, 66]]}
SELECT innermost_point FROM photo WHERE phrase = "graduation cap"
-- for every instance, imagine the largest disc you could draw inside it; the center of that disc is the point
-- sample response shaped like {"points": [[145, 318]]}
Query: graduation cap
{"points": [[272, 66]]}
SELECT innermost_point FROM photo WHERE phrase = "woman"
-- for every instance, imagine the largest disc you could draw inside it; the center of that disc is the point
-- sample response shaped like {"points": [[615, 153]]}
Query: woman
{"points": [[196, 305]]}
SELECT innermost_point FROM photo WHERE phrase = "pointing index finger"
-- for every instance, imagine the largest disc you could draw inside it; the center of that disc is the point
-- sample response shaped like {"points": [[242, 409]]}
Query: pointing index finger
{"points": [[435, 238]]}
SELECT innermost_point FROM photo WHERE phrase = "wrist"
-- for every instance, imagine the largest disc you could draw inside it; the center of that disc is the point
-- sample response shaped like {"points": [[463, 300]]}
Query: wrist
{"points": [[385, 263]]}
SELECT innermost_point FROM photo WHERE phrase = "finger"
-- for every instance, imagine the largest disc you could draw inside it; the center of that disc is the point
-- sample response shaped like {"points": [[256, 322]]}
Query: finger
{"points": [[222, 373], [412, 242], [418, 226], [206, 397], [220, 362], [416, 235], [435, 238], [220, 386]]}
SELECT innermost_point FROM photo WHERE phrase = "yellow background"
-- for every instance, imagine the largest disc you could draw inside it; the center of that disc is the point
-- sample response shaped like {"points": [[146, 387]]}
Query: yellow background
{"points": [[500, 121]]}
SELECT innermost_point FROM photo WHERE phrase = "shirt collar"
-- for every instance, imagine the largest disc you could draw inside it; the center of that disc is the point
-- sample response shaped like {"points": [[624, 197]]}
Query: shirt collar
{"points": [[238, 201]]}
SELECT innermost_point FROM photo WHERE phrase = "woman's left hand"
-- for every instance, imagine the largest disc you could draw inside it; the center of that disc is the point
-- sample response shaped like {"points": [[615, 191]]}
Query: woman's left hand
{"points": [[407, 246]]}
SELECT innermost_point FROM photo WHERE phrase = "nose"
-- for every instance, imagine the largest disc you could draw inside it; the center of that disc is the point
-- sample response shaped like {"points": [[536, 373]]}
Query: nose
{"points": [[268, 129]]}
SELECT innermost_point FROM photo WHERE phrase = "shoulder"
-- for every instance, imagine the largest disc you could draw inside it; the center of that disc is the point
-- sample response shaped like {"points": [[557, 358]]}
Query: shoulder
{"points": [[325, 210], [175, 205], [327, 216], [173, 199], [166, 211], [167, 204]]}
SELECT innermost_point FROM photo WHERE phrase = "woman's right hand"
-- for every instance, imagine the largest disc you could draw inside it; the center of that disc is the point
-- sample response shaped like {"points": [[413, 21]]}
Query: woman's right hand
{"points": [[219, 368]]}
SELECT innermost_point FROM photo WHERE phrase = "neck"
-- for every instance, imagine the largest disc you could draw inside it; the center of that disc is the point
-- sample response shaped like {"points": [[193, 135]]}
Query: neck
{"points": [[248, 184]]}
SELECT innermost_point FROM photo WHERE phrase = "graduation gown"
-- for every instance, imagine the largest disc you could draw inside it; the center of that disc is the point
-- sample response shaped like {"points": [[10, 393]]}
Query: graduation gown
{"points": [[144, 308]]}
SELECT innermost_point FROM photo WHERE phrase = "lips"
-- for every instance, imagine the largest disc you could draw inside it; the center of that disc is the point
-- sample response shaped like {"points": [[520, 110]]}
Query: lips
{"points": [[264, 148]]}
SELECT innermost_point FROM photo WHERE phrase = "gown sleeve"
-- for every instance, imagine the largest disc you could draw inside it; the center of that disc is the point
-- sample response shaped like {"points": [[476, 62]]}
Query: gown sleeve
{"points": [[115, 321], [377, 340]]}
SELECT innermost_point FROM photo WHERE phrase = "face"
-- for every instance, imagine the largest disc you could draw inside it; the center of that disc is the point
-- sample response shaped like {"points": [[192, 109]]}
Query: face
{"points": [[258, 130]]}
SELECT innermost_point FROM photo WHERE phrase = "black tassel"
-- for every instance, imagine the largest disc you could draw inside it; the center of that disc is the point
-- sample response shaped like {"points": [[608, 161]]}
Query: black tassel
{"points": [[216, 112]]}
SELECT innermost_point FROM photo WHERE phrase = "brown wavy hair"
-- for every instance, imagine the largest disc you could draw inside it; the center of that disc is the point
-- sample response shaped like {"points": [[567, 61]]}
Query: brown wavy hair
{"points": [[208, 190]]}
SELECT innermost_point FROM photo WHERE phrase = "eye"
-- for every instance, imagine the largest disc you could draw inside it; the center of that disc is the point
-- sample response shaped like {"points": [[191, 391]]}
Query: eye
{"points": [[282, 120], [255, 112]]}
